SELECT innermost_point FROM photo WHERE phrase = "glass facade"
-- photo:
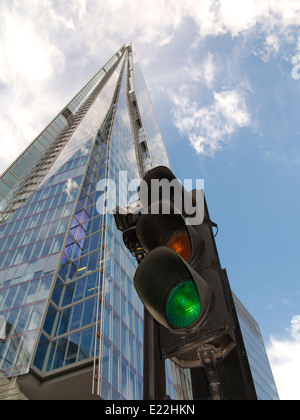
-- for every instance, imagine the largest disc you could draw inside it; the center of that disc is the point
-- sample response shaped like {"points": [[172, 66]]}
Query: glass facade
{"points": [[157, 151], [33, 237], [258, 359], [66, 279], [24, 176]]}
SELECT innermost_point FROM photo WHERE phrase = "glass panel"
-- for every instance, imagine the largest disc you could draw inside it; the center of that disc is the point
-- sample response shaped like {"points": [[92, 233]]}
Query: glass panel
{"points": [[23, 163], [17, 171], [4, 188], [154, 139], [10, 179]]}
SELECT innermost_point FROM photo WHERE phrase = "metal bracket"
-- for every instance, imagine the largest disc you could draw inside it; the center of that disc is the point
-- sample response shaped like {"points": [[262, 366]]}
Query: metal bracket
{"points": [[207, 357]]}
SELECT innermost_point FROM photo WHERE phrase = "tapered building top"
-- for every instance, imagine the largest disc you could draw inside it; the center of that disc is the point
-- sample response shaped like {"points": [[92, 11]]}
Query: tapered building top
{"points": [[67, 302], [41, 159]]}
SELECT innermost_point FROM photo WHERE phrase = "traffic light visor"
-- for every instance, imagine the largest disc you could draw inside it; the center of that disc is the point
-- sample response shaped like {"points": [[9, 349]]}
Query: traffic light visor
{"points": [[182, 245], [172, 291]]}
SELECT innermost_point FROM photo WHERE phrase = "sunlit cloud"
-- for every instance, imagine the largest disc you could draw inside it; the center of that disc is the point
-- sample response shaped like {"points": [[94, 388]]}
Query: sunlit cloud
{"points": [[47, 46], [209, 128], [285, 362]]}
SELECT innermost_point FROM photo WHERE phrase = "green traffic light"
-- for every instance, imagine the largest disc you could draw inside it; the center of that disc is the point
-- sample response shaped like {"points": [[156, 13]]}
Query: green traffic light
{"points": [[183, 305]]}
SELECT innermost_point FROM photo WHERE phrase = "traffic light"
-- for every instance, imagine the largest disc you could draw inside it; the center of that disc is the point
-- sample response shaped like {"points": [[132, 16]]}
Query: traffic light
{"points": [[179, 277], [181, 283]]}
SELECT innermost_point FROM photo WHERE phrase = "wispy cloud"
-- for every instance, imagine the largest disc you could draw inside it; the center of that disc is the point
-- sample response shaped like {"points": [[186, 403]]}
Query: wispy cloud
{"points": [[209, 128], [203, 72], [43, 42], [235, 17], [285, 361]]}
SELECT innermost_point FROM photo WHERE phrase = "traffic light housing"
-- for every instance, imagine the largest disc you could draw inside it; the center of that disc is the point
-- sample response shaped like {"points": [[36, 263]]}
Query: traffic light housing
{"points": [[184, 289], [179, 278], [174, 294], [181, 283]]}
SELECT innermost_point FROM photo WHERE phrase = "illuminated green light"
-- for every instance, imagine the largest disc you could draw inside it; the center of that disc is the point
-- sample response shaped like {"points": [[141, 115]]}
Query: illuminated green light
{"points": [[183, 305]]}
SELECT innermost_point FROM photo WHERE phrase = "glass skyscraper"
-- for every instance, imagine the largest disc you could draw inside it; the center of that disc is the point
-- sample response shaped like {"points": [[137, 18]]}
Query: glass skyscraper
{"points": [[258, 359], [71, 323]]}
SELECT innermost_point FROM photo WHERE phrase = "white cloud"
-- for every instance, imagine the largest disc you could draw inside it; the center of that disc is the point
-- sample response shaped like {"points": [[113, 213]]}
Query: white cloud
{"points": [[239, 16], [44, 43], [204, 72], [295, 327], [272, 22], [235, 16], [30, 59], [208, 128], [27, 52], [209, 70], [285, 362]]}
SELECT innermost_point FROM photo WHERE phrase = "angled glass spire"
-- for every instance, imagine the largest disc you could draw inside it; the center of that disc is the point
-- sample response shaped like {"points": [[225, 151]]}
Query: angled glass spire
{"points": [[68, 308]]}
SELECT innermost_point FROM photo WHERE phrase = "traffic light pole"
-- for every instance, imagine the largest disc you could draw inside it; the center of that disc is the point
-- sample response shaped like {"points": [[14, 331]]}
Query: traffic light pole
{"points": [[154, 378]]}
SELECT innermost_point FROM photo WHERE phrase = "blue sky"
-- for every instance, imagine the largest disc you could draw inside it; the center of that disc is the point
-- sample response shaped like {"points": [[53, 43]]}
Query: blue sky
{"points": [[223, 77]]}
